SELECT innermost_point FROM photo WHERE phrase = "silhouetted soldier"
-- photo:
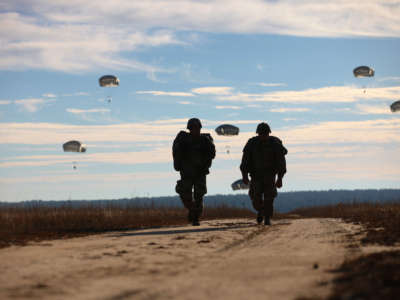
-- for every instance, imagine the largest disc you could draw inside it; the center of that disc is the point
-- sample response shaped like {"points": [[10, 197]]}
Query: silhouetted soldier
{"points": [[264, 158], [193, 153]]}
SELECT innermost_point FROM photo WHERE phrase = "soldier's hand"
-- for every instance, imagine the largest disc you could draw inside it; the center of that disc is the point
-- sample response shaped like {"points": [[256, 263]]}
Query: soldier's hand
{"points": [[245, 179], [278, 183]]}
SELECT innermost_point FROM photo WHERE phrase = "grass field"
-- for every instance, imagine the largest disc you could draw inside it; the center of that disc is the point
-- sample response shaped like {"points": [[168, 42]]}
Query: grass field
{"points": [[20, 225], [373, 276], [381, 221]]}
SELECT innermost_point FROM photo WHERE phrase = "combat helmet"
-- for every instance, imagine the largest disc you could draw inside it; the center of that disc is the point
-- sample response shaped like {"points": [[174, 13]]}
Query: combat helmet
{"points": [[263, 128], [193, 122]]}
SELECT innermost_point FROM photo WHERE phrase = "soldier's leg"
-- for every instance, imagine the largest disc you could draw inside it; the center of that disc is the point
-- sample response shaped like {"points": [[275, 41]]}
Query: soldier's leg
{"points": [[270, 193], [200, 189], [256, 196], [184, 189]]}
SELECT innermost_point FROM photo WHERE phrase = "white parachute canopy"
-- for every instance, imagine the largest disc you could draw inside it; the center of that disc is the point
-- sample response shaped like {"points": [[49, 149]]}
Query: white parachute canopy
{"points": [[239, 185], [227, 130], [395, 107], [74, 146], [109, 81], [363, 71]]}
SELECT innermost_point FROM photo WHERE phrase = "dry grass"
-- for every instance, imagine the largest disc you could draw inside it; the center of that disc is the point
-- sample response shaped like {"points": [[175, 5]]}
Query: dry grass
{"points": [[382, 221], [373, 276], [21, 225]]}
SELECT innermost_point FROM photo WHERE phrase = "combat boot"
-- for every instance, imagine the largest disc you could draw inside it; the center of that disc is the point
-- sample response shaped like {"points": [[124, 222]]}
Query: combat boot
{"points": [[259, 217], [267, 220], [195, 220], [190, 216]]}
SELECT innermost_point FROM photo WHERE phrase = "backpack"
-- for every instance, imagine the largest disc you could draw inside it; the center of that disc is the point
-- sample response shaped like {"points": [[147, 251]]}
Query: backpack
{"points": [[259, 156], [180, 146]]}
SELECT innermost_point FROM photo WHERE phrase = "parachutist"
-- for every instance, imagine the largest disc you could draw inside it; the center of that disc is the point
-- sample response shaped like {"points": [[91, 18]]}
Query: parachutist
{"points": [[362, 72], [108, 81]]}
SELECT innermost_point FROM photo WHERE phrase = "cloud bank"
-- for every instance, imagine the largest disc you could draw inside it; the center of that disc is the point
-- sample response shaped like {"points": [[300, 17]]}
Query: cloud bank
{"points": [[83, 35]]}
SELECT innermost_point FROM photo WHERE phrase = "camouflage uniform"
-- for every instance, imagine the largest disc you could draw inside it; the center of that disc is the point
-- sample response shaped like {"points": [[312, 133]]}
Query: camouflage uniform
{"points": [[192, 158], [264, 160]]}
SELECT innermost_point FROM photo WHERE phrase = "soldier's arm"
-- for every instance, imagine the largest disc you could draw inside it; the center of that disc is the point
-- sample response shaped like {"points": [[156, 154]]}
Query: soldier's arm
{"points": [[212, 150], [281, 164], [245, 164]]}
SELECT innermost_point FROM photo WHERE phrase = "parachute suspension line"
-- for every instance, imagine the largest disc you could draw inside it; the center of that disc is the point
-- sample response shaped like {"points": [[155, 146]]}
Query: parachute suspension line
{"points": [[109, 81], [363, 72]]}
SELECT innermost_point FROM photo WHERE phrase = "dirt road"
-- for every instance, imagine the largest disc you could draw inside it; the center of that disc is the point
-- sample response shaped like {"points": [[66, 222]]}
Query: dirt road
{"points": [[222, 259]]}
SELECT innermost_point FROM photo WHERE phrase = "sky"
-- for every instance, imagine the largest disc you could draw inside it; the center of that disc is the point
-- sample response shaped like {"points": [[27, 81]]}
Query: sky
{"points": [[287, 63]]}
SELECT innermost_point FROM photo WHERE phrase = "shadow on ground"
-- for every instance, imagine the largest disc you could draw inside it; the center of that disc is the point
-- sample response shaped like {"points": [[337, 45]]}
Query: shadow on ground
{"points": [[180, 231]]}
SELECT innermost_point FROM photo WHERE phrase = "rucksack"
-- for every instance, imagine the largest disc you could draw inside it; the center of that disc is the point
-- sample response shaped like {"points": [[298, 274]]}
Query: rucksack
{"points": [[180, 146]]}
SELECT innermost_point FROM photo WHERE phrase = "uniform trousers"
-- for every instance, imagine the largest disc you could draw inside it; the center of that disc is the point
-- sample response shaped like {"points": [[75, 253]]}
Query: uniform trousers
{"points": [[191, 190], [262, 193]]}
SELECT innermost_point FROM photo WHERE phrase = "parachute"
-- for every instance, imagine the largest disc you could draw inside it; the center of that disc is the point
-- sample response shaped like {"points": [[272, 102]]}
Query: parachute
{"points": [[363, 71], [239, 185], [227, 129], [395, 107], [109, 81], [74, 146]]}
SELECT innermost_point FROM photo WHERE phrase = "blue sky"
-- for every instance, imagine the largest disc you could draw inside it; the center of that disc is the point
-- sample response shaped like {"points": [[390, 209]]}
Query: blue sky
{"points": [[288, 63]]}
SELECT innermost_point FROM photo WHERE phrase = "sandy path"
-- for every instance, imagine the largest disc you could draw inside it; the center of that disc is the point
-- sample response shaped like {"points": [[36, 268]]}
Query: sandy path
{"points": [[230, 259]]}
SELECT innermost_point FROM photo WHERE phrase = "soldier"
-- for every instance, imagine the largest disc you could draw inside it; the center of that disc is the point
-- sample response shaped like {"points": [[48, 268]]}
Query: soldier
{"points": [[193, 153], [264, 158]]}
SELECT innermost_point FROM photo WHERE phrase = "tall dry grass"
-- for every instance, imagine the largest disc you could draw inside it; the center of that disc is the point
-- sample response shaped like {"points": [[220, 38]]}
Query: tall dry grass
{"points": [[19, 225], [382, 221]]}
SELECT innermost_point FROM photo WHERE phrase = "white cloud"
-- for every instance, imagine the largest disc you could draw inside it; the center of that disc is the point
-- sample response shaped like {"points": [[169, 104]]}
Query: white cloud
{"points": [[33, 133], [372, 109], [289, 109], [318, 95], [228, 107], [254, 105], [185, 102], [5, 102], [271, 84], [326, 151], [85, 111], [156, 155], [301, 18], [31, 104], [91, 115], [37, 42], [98, 177], [334, 132], [163, 93], [83, 35], [76, 94], [390, 78], [49, 95], [213, 90], [234, 122]]}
